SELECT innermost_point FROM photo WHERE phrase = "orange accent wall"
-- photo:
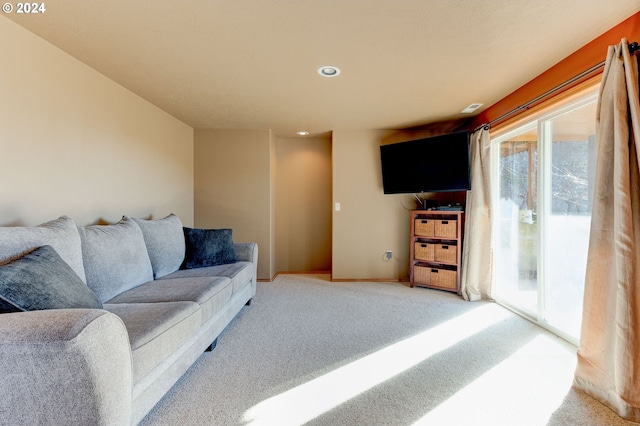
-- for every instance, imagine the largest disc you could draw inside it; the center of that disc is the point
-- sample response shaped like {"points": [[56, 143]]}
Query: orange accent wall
{"points": [[591, 54]]}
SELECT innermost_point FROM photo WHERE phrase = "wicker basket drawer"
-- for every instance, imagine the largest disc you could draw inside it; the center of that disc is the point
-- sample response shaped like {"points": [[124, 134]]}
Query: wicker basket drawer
{"points": [[422, 275], [446, 228], [424, 251], [445, 253], [443, 278], [424, 227], [435, 277]]}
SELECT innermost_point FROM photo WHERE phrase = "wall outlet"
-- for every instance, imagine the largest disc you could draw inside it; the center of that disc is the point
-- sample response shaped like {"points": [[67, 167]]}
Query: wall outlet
{"points": [[388, 254]]}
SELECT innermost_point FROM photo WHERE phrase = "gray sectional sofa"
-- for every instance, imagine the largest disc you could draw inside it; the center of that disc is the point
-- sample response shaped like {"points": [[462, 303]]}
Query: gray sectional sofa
{"points": [[99, 322]]}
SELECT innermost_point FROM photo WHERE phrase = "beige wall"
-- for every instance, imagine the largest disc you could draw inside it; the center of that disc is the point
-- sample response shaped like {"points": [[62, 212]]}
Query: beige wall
{"points": [[303, 204], [74, 142], [233, 188], [369, 222]]}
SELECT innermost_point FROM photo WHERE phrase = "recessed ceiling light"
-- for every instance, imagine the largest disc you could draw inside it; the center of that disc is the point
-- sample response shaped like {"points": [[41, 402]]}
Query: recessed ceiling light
{"points": [[471, 108], [302, 133], [328, 71]]}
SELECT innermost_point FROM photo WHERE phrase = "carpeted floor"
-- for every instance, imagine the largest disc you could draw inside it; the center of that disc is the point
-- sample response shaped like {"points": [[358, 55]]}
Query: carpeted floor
{"points": [[309, 351]]}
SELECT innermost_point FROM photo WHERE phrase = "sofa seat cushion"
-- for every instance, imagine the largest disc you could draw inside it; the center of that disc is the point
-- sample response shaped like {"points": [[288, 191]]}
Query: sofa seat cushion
{"points": [[211, 293], [61, 234], [156, 330], [239, 273]]}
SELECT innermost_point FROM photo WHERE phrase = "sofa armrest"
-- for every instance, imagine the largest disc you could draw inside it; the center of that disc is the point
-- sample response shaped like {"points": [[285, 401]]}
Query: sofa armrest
{"points": [[246, 252], [65, 366]]}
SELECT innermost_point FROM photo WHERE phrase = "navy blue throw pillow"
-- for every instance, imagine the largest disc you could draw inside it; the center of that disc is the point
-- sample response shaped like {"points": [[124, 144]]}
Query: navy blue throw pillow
{"points": [[42, 280], [208, 247]]}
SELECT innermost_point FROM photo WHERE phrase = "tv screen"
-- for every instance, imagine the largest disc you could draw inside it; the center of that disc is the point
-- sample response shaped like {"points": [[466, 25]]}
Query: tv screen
{"points": [[434, 164]]}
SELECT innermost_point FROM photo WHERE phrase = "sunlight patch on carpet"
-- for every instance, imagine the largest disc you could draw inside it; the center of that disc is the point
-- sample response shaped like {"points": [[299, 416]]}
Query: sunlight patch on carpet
{"points": [[525, 389], [310, 400]]}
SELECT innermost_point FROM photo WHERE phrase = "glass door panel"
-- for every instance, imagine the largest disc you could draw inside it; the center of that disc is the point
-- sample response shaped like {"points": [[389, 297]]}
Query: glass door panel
{"points": [[569, 189], [516, 269]]}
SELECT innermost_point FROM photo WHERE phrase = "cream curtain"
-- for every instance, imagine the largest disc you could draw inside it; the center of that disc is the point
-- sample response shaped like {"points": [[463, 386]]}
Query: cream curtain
{"points": [[609, 354], [476, 256]]}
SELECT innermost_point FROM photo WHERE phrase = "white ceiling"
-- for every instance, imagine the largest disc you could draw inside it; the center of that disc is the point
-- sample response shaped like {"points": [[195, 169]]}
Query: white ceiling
{"points": [[251, 64]]}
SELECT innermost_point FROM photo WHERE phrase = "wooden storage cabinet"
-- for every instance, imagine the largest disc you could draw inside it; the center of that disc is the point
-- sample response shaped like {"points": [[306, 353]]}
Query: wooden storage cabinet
{"points": [[436, 249]]}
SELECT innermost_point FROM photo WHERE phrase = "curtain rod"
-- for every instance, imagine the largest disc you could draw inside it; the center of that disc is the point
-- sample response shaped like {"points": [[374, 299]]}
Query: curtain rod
{"points": [[633, 49]]}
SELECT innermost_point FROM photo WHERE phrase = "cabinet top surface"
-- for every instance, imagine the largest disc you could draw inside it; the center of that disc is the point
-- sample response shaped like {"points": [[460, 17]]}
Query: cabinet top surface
{"points": [[437, 212]]}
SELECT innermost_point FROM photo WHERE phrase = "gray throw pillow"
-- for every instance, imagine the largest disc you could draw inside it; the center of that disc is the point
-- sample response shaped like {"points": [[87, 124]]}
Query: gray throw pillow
{"points": [[208, 247], [165, 243], [61, 234], [42, 280], [115, 258]]}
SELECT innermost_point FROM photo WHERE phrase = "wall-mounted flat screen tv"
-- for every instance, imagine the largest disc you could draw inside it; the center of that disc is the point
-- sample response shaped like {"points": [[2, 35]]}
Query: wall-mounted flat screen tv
{"points": [[435, 164]]}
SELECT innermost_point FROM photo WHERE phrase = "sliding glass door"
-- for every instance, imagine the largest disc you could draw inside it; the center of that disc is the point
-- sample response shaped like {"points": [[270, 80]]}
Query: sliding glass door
{"points": [[544, 181], [516, 251]]}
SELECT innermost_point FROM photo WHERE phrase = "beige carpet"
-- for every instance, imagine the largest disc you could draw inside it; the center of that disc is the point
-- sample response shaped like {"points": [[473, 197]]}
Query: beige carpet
{"points": [[308, 351]]}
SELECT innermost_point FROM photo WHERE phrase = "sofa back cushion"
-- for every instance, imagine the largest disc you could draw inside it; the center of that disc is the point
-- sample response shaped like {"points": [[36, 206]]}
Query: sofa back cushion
{"points": [[61, 234], [165, 243], [42, 280], [115, 258]]}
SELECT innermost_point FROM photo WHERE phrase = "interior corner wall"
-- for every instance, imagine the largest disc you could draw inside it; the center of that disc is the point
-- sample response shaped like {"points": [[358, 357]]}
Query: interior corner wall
{"points": [[73, 142], [273, 160], [233, 188], [303, 206], [369, 222]]}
